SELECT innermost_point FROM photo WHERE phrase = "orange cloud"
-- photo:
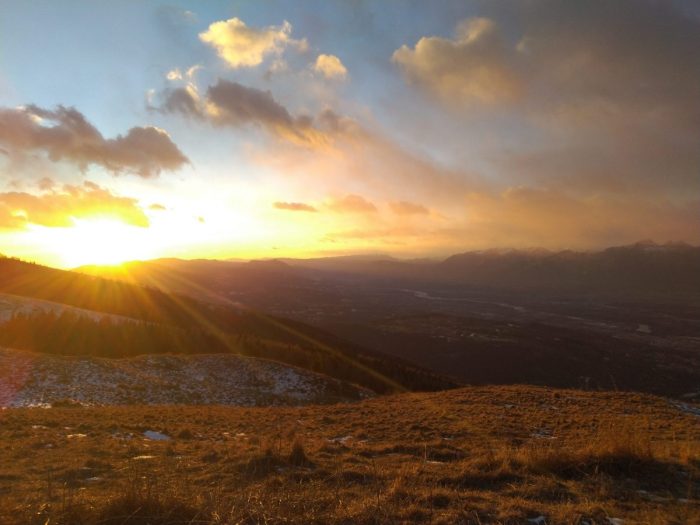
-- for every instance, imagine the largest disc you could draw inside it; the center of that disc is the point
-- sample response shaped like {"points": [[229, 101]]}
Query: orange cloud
{"points": [[408, 208], [294, 206], [352, 204], [59, 208], [522, 216]]}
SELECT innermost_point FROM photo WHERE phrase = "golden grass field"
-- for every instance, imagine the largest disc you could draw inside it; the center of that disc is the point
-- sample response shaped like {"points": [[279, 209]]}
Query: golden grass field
{"points": [[501, 455]]}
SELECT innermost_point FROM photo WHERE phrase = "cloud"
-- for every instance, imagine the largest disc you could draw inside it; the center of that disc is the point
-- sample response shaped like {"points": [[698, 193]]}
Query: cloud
{"points": [[605, 91], [408, 208], [474, 68], [352, 204], [232, 104], [330, 66], [184, 100], [46, 183], [65, 134], [59, 208], [381, 234], [574, 60], [294, 206], [527, 216], [174, 74], [240, 45], [157, 207], [599, 58]]}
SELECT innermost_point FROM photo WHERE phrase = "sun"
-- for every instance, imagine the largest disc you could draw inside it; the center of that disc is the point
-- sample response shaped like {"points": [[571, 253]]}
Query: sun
{"points": [[103, 241]]}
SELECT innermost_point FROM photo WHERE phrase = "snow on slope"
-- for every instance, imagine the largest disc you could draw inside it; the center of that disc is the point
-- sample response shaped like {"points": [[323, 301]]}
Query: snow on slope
{"points": [[15, 304], [29, 379]]}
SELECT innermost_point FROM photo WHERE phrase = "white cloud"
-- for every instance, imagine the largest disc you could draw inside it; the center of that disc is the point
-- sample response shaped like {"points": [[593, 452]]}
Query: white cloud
{"points": [[244, 46], [174, 74], [330, 66]]}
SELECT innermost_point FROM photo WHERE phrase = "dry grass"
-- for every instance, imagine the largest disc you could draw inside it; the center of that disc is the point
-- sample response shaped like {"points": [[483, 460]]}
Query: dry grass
{"points": [[473, 456]]}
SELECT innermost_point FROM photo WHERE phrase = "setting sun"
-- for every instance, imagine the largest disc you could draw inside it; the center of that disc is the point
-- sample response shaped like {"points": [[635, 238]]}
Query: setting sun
{"points": [[101, 241]]}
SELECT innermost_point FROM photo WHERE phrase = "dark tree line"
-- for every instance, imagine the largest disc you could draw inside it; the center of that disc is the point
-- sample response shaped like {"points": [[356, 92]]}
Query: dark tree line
{"points": [[71, 333]]}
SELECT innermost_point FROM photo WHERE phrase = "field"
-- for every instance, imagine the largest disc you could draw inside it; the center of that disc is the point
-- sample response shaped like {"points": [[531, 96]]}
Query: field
{"points": [[478, 455]]}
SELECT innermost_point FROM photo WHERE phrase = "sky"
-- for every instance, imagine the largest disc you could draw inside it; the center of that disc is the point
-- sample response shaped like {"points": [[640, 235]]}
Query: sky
{"points": [[143, 129]]}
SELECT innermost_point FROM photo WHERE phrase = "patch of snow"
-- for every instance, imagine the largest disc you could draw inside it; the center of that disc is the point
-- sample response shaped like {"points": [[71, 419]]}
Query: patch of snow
{"points": [[342, 440], [688, 408], [37, 380], [155, 436], [15, 304], [539, 520], [543, 433]]}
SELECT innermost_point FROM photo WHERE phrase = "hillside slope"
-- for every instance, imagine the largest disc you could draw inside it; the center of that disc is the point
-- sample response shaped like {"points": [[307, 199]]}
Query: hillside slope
{"points": [[624, 318], [506, 455], [30, 379], [168, 322]]}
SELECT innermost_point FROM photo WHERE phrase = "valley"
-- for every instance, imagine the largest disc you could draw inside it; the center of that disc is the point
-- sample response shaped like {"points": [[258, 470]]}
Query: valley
{"points": [[477, 323], [214, 392]]}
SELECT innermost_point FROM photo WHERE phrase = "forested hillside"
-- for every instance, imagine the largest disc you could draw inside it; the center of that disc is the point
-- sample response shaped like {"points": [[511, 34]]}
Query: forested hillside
{"points": [[164, 322]]}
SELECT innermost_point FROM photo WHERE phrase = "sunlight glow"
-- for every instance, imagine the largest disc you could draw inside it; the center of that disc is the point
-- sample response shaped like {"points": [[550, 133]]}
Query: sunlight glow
{"points": [[102, 241]]}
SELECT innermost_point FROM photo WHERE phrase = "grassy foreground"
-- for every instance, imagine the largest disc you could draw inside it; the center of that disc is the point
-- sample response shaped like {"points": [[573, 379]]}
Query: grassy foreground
{"points": [[474, 455]]}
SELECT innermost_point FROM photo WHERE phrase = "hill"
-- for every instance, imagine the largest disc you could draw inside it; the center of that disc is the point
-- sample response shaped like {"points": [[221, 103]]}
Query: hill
{"points": [[164, 322], [645, 267], [29, 379], [624, 318], [500, 455]]}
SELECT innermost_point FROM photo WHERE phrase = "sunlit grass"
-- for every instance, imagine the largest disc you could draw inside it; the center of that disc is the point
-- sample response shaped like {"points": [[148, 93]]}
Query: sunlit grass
{"points": [[501, 455]]}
